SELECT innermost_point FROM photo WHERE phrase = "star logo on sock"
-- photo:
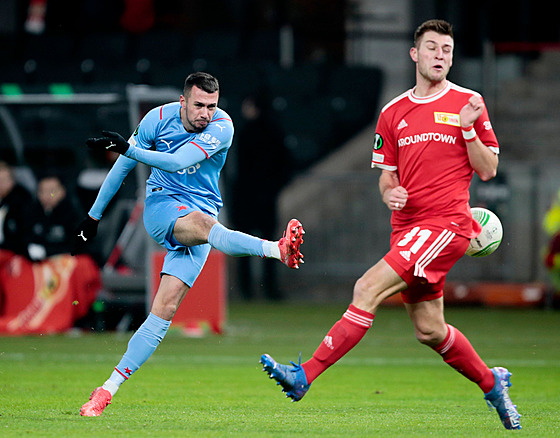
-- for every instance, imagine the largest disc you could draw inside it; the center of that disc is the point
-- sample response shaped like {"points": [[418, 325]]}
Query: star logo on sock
{"points": [[128, 371]]}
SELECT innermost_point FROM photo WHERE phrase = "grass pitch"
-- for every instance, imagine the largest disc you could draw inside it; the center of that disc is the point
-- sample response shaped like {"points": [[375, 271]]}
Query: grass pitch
{"points": [[389, 385]]}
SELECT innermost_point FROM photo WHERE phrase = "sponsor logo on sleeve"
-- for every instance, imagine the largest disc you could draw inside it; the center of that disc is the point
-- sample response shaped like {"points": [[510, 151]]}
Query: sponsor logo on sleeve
{"points": [[212, 141], [378, 158]]}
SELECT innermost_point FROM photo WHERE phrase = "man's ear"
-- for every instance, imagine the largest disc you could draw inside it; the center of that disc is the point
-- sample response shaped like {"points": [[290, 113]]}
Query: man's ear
{"points": [[414, 54]]}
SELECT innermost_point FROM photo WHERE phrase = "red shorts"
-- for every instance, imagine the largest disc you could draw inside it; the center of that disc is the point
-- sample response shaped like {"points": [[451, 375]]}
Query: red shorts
{"points": [[422, 256]]}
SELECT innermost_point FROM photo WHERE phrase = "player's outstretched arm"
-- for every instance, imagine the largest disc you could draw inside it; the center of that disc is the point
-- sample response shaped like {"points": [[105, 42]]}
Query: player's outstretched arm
{"points": [[182, 158], [179, 160], [87, 229]]}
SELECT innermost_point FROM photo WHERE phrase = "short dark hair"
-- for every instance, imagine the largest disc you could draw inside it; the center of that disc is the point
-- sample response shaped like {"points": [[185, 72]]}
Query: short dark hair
{"points": [[202, 80], [51, 174], [439, 26]]}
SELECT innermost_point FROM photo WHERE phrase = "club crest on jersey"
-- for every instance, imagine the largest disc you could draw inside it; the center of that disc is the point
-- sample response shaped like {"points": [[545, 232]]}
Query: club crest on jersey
{"points": [[378, 142], [447, 118]]}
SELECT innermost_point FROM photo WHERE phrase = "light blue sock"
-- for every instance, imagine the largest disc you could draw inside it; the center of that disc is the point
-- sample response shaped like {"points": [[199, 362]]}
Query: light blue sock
{"points": [[236, 243], [140, 347]]}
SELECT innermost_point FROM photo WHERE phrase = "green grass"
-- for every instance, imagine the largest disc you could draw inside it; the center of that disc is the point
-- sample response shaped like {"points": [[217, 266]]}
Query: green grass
{"points": [[389, 385]]}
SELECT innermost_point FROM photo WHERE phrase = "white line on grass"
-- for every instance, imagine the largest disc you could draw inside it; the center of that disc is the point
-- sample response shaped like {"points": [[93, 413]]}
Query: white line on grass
{"points": [[239, 360]]}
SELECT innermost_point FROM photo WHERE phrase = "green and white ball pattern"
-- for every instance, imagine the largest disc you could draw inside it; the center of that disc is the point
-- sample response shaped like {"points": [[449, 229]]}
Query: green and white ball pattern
{"points": [[491, 235]]}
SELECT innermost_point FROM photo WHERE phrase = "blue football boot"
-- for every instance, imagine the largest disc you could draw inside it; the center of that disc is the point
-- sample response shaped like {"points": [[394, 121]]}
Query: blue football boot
{"points": [[291, 377], [499, 399]]}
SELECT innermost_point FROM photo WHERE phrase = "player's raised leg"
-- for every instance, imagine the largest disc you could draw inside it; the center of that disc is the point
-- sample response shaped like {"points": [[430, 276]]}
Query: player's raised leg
{"points": [[192, 227], [238, 244]]}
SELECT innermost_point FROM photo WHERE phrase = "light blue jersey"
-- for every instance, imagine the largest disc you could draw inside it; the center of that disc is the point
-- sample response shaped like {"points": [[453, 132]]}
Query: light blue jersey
{"points": [[184, 164], [186, 168]]}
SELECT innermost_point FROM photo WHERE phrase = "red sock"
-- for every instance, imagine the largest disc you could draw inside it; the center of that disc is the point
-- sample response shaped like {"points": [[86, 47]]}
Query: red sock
{"points": [[340, 339], [457, 351]]}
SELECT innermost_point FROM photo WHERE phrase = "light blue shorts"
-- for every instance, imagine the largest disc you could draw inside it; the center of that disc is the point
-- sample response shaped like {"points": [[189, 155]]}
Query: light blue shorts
{"points": [[160, 214]]}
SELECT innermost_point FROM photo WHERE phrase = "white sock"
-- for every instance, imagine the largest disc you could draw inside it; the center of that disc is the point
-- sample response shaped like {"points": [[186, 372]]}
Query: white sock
{"points": [[271, 249], [111, 386]]}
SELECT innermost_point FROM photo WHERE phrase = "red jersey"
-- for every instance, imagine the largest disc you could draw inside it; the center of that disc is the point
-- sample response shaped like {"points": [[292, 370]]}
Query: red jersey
{"points": [[421, 139]]}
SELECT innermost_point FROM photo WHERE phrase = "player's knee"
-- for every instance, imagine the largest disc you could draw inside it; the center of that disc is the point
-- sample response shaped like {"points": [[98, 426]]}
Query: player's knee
{"points": [[428, 335], [425, 338], [202, 221], [165, 309], [171, 308], [364, 295], [168, 300], [194, 228]]}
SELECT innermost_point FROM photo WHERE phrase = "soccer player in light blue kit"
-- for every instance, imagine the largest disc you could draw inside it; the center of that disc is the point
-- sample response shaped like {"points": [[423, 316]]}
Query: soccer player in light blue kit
{"points": [[191, 139]]}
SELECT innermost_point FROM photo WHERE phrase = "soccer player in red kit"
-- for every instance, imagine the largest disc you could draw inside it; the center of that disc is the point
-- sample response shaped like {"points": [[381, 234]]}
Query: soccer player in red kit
{"points": [[428, 143]]}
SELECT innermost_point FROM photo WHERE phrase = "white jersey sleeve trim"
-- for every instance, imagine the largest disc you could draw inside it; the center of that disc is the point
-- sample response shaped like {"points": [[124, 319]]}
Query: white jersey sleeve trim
{"points": [[383, 166]]}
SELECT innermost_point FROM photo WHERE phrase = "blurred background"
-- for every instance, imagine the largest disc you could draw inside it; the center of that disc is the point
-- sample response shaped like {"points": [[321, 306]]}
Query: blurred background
{"points": [[303, 81]]}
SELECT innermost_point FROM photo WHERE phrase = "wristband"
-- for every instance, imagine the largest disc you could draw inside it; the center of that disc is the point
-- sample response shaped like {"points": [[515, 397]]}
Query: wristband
{"points": [[469, 134]]}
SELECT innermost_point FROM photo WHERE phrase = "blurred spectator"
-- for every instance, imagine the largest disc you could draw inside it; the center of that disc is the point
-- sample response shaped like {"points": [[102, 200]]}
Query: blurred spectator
{"points": [[262, 171], [35, 22], [51, 220], [47, 294], [551, 226], [14, 199]]}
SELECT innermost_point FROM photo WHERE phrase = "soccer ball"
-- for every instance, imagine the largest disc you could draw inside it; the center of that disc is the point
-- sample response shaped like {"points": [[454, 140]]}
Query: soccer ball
{"points": [[491, 235]]}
